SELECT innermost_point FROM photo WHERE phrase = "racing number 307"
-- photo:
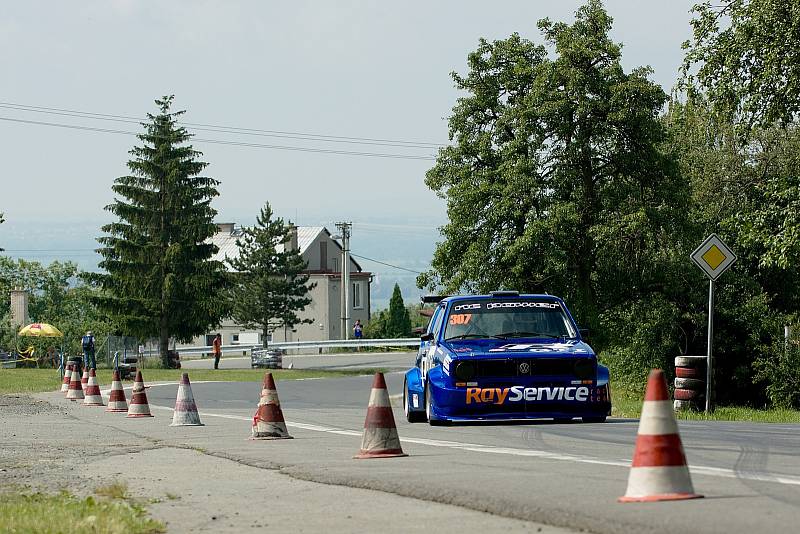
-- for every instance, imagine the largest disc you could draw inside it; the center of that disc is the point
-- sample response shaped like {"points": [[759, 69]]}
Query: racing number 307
{"points": [[460, 318]]}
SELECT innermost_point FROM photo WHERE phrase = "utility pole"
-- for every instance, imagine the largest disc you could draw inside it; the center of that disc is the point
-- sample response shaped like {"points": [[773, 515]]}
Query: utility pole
{"points": [[344, 232]]}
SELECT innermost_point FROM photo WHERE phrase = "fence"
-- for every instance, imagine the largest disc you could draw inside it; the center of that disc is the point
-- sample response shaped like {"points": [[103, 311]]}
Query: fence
{"points": [[298, 345]]}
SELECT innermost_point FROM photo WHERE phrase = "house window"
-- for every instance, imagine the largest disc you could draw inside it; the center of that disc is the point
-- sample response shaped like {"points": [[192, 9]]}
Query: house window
{"points": [[358, 298], [235, 338]]}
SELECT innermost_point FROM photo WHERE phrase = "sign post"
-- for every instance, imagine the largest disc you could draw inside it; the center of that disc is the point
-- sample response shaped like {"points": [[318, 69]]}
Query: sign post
{"points": [[713, 257]]}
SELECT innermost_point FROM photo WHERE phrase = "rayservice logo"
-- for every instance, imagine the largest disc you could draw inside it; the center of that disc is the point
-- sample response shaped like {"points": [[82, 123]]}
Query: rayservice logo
{"points": [[519, 393]]}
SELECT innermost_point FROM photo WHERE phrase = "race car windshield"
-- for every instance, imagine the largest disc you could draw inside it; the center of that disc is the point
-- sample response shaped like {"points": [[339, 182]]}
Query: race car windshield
{"points": [[507, 319]]}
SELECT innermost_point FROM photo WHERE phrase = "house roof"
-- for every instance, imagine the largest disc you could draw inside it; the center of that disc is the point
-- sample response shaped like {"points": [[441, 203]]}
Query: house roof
{"points": [[228, 233]]}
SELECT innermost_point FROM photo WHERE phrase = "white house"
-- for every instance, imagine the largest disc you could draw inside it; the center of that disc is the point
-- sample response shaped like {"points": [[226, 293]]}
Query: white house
{"points": [[323, 255]]}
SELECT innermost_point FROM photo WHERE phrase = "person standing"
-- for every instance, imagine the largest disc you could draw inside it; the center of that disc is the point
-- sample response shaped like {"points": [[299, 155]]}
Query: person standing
{"points": [[217, 345], [87, 342], [358, 330]]}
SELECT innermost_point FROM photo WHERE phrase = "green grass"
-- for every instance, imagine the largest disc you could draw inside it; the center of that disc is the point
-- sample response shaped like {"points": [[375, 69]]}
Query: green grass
{"points": [[627, 402], [41, 380], [67, 514]]}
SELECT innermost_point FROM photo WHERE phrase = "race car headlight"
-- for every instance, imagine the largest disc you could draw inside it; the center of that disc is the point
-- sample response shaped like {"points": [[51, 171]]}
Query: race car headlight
{"points": [[584, 369], [465, 371]]}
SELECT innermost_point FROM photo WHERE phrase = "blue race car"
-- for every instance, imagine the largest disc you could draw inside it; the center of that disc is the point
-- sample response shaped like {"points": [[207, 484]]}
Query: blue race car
{"points": [[504, 356]]}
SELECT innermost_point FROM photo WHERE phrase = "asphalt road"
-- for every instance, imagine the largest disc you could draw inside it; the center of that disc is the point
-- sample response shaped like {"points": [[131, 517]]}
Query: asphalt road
{"points": [[561, 474], [350, 360]]}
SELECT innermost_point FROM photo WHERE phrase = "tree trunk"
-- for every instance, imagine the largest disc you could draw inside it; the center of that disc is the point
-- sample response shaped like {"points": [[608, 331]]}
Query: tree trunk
{"points": [[163, 343], [264, 339]]}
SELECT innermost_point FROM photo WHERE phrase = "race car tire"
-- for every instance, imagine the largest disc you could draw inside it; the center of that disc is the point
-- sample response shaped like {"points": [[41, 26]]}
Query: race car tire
{"points": [[690, 361], [411, 416], [562, 420], [595, 419], [683, 405], [687, 394], [690, 383], [429, 407], [689, 372]]}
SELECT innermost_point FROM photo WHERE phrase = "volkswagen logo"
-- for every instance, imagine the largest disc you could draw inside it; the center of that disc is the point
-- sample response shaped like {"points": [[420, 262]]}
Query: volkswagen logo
{"points": [[524, 368]]}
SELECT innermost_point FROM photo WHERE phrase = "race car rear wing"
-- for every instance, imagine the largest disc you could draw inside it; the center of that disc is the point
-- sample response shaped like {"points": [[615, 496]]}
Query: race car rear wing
{"points": [[433, 299]]}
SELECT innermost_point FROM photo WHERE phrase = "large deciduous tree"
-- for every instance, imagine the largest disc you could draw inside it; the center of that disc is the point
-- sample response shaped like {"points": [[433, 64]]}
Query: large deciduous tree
{"points": [[269, 287], [745, 56], [160, 279], [554, 180]]}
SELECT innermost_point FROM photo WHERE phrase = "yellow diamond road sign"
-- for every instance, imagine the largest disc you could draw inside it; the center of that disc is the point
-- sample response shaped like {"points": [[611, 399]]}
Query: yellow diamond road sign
{"points": [[713, 256]]}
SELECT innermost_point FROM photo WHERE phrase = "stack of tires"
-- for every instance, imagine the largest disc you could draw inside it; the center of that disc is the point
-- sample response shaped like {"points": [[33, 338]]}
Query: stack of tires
{"points": [[690, 383]]}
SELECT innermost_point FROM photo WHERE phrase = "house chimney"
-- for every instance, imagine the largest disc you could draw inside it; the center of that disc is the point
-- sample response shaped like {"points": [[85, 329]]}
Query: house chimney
{"points": [[291, 243], [19, 307], [225, 228]]}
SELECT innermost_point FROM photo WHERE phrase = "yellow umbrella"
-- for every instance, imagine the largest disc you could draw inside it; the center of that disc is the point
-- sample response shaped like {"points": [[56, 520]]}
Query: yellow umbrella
{"points": [[41, 330]]}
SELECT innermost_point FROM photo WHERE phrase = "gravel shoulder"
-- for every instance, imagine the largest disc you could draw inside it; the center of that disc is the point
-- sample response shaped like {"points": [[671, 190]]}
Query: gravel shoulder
{"points": [[50, 447]]}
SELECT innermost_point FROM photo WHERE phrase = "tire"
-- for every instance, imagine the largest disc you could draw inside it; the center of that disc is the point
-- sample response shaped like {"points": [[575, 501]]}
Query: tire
{"points": [[690, 383], [429, 405], [689, 372], [683, 405], [562, 420], [411, 416], [690, 361], [595, 419], [687, 394]]}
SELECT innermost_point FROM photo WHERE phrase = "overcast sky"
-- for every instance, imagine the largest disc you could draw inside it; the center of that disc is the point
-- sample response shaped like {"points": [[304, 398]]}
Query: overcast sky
{"points": [[369, 69]]}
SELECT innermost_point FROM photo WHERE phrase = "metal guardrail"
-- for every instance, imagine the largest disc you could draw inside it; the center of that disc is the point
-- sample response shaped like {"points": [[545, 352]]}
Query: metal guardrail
{"points": [[295, 345]]}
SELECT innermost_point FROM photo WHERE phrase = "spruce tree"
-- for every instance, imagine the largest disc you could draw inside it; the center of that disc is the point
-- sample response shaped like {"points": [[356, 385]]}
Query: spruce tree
{"points": [[398, 323], [269, 287], [159, 279]]}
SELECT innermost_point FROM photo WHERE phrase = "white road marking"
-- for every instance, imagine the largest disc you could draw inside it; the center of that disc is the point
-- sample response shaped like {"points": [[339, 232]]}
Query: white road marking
{"points": [[788, 480]]}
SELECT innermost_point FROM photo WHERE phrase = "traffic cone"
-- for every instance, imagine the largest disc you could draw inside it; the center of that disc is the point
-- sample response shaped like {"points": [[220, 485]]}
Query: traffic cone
{"points": [[67, 377], [116, 400], [139, 407], [185, 409], [85, 379], [380, 433], [75, 390], [658, 471], [93, 396], [268, 421]]}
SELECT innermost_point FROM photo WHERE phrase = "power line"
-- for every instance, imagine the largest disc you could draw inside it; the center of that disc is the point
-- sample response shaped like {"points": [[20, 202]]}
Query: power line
{"points": [[386, 264], [85, 250], [230, 143], [228, 129]]}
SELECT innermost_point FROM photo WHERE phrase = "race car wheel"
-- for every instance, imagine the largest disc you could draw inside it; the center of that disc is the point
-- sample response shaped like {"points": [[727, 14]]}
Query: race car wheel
{"points": [[690, 383], [595, 419], [429, 407], [411, 416], [689, 372], [686, 394]]}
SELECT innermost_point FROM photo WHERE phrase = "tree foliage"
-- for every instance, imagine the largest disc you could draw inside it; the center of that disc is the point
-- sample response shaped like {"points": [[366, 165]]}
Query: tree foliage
{"points": [[159, 279], [269, 287], [554, 179], [56, 296], [744, 57], [398, 322]]}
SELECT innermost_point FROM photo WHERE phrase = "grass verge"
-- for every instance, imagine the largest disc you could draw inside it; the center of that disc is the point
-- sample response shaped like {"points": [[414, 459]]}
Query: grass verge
{"points": [[627, 402], [41, 380], [67, 514]]}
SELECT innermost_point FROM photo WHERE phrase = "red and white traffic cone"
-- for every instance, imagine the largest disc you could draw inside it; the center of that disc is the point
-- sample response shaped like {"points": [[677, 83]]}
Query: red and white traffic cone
{"points": [[67, 377], [658, 471], [116, 400], [75, 392], [185, 409], [85, 379], [139, 407], [268, 421], [93, 396], [380, 432]]}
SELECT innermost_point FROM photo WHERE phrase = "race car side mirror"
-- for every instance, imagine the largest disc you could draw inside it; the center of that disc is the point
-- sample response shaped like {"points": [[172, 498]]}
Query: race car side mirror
{"points": [[428, 336]]}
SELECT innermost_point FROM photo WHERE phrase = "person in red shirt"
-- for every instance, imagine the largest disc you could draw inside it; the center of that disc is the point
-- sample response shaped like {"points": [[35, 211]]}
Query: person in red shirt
{"points": [[217, 344]]}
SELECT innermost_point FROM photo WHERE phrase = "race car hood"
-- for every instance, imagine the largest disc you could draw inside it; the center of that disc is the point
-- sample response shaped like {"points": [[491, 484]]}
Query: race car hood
{"points": [[518, 347]]}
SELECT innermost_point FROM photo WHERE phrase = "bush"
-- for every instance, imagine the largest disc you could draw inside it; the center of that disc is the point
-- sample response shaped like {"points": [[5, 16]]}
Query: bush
{"points": [[780, 371]]}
